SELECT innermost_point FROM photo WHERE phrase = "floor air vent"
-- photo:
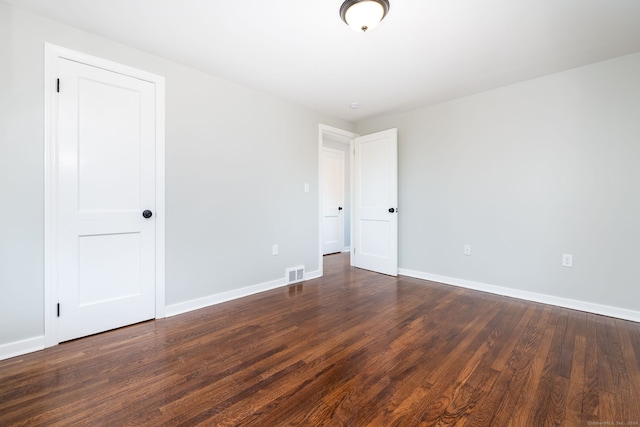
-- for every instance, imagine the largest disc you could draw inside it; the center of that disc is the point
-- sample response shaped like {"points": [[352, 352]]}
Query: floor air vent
{"points": [[295, 274]]}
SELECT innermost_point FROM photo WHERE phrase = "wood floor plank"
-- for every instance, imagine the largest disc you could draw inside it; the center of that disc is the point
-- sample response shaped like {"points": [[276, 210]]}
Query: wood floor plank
{"points": [[353, 348], [454, 375], [476, 386], [491, 403], [623, 386], [524, 370], [575, 393], [548, 402], [627, 330]]}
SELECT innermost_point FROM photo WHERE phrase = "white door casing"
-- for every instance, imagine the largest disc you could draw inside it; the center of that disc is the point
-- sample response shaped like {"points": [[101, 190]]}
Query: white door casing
{"points": [[105, 165], [376, 202], [332, 200]]}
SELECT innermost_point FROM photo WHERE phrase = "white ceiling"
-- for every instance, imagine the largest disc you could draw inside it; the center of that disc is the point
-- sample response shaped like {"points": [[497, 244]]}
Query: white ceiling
{"points": [[424, 52]]}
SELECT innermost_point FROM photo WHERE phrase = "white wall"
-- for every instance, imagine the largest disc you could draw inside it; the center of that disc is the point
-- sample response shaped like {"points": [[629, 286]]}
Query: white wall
{"points": [[237, 161], [524, 174]]}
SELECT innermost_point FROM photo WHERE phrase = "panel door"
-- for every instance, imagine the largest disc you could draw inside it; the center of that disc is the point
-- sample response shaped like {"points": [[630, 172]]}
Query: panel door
{"points": [[332, 201], [376, 202], [106, 179]]}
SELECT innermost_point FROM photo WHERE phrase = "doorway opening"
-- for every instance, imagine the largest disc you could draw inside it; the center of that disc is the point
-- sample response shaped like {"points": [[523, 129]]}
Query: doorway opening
{"points": [[371, 232], [335, 173]]}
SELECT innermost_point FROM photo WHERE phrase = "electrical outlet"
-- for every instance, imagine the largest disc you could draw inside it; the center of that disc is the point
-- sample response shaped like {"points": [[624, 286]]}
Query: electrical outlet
{"points": [[467, 250], [274, 250], [567, 260]]}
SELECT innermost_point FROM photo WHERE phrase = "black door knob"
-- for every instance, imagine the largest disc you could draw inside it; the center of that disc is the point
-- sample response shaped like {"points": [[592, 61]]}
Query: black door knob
{"points": [[339, 208], [147, 213], [391, 210]]}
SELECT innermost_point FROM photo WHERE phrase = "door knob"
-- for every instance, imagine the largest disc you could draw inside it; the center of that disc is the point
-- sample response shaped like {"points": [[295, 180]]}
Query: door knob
{"points": [[391, 210], [147, 213], [339, 208]]}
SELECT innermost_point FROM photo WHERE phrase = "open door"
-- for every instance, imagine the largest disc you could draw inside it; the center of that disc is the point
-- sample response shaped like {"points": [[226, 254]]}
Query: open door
{"points": [[375, 245]]}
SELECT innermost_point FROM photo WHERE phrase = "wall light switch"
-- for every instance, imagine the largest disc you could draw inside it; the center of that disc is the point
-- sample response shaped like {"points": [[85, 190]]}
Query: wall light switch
{"points": [[467, 250], [306, 187]]}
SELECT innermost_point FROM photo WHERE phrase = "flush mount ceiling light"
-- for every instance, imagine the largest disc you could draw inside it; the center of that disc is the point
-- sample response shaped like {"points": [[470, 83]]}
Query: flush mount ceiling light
{"points": [[363, 15]]}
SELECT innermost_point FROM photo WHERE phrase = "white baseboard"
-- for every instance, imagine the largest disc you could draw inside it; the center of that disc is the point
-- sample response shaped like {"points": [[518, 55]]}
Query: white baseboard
{"points": [[185, 307], [589, 307], [18, 348], [195, 304], [312, 275], [346, 249]]}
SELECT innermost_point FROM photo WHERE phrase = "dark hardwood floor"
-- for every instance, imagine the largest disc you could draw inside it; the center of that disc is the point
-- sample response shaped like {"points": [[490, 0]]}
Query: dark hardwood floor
{"points": [[351, 349]]}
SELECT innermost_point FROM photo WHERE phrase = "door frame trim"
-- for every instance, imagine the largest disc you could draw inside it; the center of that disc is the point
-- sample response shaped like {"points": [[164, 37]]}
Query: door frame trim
{"points": [[347, 137], [51, 55]]}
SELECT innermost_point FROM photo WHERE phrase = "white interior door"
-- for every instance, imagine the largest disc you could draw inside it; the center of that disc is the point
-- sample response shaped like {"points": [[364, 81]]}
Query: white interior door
{"points": [[376, 202], [106, 179], [332, 201]]}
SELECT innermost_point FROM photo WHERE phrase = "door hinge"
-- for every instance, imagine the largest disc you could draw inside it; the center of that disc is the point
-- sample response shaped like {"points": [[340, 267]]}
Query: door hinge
{"points": [[58, 309], [58, 85]]}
